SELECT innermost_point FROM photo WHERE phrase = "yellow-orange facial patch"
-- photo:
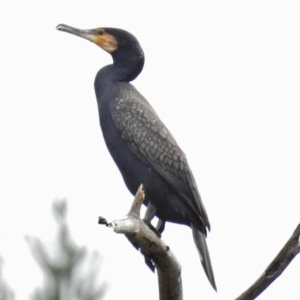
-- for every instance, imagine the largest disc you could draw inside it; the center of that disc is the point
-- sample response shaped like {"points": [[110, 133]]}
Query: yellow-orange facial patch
{"points": [[106, 41]]}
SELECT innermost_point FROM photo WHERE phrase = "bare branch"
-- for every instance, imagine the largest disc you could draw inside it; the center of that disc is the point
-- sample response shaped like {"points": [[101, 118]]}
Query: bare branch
{"points": [[276, 267], [152, 247]]}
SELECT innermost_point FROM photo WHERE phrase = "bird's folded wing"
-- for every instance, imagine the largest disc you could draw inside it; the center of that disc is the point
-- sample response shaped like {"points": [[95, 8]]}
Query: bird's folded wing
{"points": [[155, 146]]}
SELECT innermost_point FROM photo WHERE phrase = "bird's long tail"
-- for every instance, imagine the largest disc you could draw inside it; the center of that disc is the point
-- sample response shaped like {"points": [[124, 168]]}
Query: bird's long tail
{"points": [[200, 242]]}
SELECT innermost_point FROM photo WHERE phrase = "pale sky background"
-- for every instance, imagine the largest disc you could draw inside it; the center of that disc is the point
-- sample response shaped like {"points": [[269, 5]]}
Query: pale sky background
{"points": [[222, 75]]}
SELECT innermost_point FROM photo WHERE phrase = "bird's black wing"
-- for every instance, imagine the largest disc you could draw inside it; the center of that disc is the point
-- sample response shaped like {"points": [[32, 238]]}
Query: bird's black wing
{"points": [[155, 146]]}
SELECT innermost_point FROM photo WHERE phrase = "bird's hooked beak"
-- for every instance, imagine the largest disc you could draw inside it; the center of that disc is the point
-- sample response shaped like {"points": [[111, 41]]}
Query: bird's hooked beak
{"points": [[98, 36]]}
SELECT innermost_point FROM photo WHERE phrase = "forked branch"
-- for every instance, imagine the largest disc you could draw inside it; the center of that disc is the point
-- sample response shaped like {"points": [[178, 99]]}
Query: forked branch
{"points": [[152, 247], [167, 266]]}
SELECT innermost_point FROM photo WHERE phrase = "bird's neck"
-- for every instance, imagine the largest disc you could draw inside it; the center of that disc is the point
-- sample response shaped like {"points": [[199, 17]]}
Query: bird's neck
{"points": [[128, 63], [127, 70], [108, 76], [121, 72]]}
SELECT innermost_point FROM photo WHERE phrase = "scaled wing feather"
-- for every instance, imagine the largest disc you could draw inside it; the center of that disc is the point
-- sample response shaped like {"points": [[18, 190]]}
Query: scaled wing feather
{"points": [[155, 146]]}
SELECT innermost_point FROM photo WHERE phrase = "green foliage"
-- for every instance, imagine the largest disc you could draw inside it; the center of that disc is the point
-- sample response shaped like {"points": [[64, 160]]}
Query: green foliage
{"points": [[5, 292], [70, 272]]}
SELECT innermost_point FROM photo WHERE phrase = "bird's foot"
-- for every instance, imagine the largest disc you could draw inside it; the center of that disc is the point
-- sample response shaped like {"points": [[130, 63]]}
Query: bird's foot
{"points": [[156, 231], [160, 227]]}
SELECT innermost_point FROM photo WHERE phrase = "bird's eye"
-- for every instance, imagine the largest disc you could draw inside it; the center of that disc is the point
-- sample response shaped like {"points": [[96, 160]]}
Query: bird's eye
{"points": [[100, 31]]}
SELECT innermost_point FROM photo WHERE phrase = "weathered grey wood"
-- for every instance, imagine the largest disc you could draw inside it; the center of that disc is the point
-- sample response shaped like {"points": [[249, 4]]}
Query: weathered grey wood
{"points": [[276, 267], [151, 246]]}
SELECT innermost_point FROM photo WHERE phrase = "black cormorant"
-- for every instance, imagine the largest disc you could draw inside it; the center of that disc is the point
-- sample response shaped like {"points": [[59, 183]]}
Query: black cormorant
{"points": [[140, 144]]}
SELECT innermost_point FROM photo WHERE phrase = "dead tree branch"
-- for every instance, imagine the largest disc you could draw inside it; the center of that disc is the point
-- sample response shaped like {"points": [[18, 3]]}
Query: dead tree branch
{"points": [[152, 247], [276, 267], [167, 266]]}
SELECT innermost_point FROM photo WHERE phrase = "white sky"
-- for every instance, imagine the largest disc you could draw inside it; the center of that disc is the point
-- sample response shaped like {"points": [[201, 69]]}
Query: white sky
{"points": [[222, 75]]}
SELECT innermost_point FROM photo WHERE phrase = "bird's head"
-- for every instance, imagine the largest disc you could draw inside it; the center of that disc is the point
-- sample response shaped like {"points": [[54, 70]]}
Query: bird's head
{"points": [[122, 45], [100, 36]]}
